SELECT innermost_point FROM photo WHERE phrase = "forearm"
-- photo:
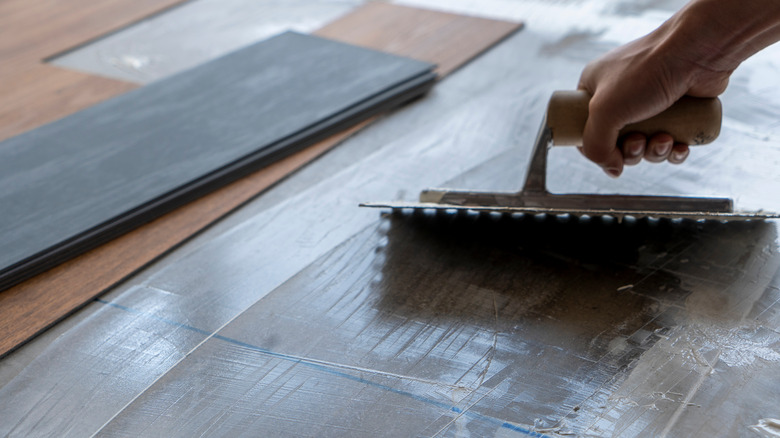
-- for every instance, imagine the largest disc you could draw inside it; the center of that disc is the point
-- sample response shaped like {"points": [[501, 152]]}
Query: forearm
{"points": [[719, 34]]}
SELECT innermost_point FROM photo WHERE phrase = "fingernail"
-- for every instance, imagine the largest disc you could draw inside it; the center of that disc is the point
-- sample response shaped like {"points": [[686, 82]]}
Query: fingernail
{"points": [[663, 149], [614, 172], [679, 156], [635, 148]]}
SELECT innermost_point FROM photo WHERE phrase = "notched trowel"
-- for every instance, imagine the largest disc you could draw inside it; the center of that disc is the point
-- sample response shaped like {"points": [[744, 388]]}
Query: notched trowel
{"points": [[691, 120]]}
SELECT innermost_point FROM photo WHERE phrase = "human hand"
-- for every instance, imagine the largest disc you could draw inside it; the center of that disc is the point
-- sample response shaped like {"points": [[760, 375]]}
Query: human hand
{"points": [[637, 81]]}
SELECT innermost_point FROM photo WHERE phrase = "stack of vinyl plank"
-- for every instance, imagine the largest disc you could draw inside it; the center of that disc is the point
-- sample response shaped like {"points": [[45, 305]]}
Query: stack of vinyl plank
{"points": [[76, 183]]}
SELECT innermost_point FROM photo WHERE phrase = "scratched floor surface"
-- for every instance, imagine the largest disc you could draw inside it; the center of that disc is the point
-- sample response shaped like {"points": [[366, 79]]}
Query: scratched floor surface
{"points": [[302, 315]]}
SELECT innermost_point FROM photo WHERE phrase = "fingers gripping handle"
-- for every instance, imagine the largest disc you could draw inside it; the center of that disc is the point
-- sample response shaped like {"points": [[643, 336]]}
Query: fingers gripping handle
{"points": [[691, 120]]}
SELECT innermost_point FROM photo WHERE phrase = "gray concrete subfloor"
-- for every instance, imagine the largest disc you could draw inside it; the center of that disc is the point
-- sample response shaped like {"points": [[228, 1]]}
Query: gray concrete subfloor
{"points": [[301, 315]]}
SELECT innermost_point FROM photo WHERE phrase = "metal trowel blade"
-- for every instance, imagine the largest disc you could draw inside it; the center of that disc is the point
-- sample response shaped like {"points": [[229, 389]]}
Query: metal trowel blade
{"points": [[581, 212]]}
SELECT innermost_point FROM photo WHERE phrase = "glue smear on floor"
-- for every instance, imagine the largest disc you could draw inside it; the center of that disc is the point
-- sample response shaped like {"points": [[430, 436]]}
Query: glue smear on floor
{"points": [[769, 427]]}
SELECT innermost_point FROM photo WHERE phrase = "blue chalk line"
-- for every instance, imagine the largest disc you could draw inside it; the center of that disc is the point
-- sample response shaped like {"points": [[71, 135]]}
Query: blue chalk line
{"points": [[330, 370]]}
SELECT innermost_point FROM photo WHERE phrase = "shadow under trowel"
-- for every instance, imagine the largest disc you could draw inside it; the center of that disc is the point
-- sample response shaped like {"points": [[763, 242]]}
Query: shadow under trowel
{"points": [[563, 283]]}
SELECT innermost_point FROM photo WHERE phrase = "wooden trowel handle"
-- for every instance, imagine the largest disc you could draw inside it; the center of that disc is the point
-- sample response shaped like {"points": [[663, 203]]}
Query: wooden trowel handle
{"points": [[691, 120]]}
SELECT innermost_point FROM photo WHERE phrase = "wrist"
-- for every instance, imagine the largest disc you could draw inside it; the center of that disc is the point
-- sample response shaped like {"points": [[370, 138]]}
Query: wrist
{"points": [[718, 35]]}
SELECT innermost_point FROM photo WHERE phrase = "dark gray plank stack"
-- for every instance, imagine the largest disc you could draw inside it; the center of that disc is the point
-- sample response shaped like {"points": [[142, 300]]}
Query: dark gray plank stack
{"points": [[73, 184]]}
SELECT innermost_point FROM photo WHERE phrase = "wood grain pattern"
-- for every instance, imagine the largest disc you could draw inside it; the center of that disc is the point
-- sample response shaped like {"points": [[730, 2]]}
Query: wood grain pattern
{"points": [[29, 308]]}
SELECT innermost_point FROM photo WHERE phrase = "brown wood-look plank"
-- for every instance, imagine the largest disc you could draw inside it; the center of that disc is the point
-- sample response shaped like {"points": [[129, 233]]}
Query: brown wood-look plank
{"points": [[446, 39]]}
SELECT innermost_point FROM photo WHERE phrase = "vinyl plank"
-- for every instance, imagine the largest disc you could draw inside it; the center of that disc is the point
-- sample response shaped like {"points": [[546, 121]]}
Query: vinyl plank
{"points": [[31, 307], [445, 39]]}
